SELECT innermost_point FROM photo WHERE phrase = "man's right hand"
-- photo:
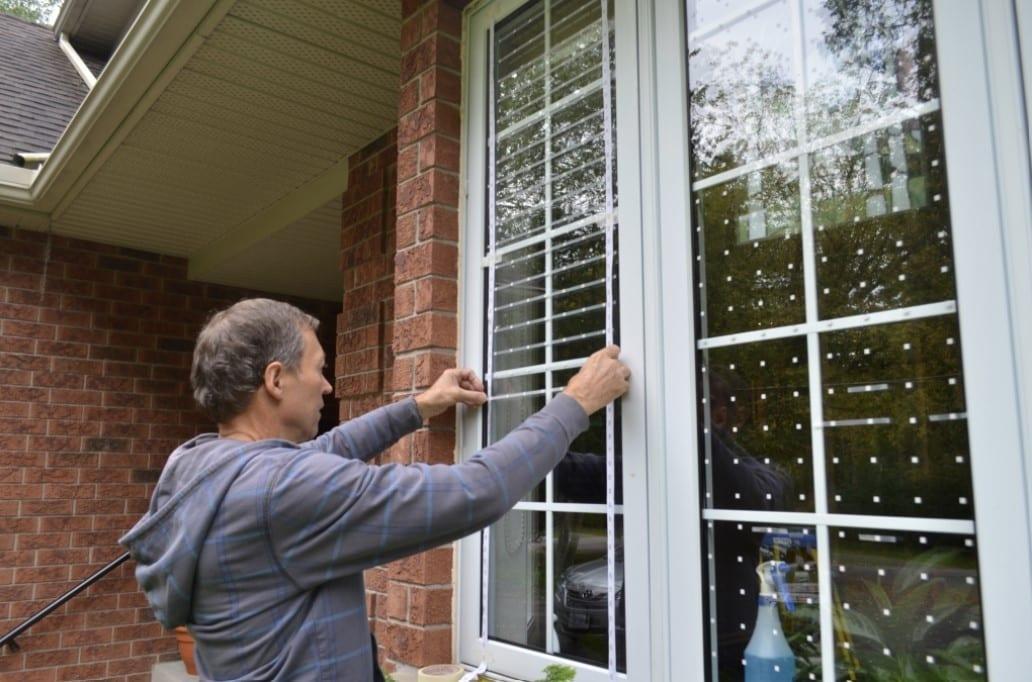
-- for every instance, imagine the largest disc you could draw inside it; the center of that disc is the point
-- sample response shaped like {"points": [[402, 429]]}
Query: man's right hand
{"points": [[601, 380]]}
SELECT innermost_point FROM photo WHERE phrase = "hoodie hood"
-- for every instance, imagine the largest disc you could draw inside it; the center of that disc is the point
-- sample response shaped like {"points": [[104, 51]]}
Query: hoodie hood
{"points": [[167, 542]]}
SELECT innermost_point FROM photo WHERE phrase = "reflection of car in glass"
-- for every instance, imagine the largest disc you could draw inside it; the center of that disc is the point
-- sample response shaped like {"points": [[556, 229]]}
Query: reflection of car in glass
{"points": [[581, 597]]}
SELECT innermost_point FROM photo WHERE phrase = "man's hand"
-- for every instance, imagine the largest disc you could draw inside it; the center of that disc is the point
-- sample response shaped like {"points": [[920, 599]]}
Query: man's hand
{"points": [[452, 387], [601, 380]]}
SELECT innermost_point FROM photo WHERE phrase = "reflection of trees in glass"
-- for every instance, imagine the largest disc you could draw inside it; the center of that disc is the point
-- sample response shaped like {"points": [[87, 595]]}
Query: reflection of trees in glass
{"points": [[742, 93], [552, 169], [866, 59], [906, 378], [906, 609], [881, 216], [753, 252]]}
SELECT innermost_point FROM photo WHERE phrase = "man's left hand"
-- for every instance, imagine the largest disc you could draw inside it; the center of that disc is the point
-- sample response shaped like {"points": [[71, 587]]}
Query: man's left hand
{"points": [[452, 387]]}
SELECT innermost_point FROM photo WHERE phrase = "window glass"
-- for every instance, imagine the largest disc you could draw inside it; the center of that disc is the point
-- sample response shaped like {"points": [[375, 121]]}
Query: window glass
{"points": [[830, 373], [906, 605], [548, 271]]}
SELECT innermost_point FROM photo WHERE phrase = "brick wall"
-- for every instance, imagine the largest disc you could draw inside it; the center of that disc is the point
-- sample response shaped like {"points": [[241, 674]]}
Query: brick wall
{"points": [[398, 329], [420, 588], [94, 394], [365, 327]]}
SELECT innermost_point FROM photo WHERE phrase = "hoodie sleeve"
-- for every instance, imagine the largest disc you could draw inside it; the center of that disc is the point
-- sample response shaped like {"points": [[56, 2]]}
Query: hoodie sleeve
{"points": [[364, 437], [328, 517]]}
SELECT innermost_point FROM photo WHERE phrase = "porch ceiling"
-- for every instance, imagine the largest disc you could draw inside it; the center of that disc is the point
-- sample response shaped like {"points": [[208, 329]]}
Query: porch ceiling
{"points": [[239, 160]]}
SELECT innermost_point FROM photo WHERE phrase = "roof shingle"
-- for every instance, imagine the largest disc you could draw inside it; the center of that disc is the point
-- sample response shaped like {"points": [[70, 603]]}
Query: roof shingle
{"points": [[39, 88]]}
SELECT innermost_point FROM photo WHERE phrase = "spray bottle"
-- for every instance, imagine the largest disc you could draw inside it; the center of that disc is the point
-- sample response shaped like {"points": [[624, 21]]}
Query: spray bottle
{"points": [[768, 658]]}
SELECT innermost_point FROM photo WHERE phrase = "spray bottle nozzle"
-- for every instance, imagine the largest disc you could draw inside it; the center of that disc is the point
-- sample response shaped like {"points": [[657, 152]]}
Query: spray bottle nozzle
{"points": [[772, 582]]}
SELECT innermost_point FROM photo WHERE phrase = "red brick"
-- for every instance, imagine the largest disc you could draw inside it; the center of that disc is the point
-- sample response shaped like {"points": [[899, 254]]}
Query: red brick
{"points": [[433, 567], [409, 162], [50, 659], [417, 646], [426, 330], [434, 117], [397, 600], [436, 293], [430, 606], [427, 258], [439, 151], [89, 671], [440, 83]]}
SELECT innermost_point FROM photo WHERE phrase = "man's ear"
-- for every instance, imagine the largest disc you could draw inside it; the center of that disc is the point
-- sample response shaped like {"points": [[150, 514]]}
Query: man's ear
{"points": [[273, 379]]}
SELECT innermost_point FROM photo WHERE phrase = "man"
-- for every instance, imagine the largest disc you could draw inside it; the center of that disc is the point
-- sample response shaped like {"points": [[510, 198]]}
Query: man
{"points": [[256, 536]]}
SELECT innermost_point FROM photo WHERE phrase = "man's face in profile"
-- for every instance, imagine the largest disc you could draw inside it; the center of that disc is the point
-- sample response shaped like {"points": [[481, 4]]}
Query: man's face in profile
{"points": [[303, 391]]}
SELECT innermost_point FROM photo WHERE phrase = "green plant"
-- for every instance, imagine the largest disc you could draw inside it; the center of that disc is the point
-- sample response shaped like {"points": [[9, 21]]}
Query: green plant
{"points": [[927, 637], [558, 673]]}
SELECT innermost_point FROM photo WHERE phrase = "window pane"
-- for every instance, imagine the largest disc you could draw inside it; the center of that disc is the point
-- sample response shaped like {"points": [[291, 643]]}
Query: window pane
{"points": [[827, 325], [736, 551], [517, 584], [742, 89], [906, 606], [752, 266], [515, 399], [882, 220], [580, 476], [757, 435], [547, 259], [581, 588], [895, 420], [866, 60]]}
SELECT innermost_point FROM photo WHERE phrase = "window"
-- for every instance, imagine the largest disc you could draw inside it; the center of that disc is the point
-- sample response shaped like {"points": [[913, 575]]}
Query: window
{"points": [[833, 420], [545, 290]]}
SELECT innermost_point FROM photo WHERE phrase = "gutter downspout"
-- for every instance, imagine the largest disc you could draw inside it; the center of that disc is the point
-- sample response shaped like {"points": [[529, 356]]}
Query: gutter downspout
{"points": [[32, 159], [84, 71]]}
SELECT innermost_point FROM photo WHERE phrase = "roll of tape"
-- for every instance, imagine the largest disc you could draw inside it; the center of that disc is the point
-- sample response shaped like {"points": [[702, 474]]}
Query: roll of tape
{"points": [[440, 673]]}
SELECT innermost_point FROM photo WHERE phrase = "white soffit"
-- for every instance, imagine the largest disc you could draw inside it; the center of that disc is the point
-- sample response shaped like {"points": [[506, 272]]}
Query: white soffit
{"points": [[293, 261], [255, 128]]}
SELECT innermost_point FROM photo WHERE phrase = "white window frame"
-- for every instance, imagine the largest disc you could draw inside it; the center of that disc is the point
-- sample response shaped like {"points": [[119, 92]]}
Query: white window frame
{"points": [[996, 368], [506, 660]]}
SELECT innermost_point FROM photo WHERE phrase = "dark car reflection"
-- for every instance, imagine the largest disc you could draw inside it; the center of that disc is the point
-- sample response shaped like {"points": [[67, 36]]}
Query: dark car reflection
{"points": [[581, 606]]}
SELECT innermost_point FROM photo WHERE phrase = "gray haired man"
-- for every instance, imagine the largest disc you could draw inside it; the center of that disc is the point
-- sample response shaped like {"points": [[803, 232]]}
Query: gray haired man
{"points": [[257, 536]]}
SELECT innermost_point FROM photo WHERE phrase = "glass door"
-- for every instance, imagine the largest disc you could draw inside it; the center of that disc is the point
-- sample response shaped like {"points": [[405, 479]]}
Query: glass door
{"points": [[543, 245]]}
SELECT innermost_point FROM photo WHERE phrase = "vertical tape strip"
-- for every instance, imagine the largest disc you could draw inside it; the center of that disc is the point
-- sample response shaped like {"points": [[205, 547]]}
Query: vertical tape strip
{"points": [[607, 126], [489, 369]]}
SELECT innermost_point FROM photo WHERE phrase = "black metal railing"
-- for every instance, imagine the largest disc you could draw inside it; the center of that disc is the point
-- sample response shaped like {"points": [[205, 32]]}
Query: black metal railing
{"points": [[8, 642]]}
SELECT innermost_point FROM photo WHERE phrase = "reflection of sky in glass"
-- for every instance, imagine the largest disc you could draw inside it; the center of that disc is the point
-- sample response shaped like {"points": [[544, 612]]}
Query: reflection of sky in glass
{"points": [[742, 86], [865, 60], [861, 62], [702, 13]]}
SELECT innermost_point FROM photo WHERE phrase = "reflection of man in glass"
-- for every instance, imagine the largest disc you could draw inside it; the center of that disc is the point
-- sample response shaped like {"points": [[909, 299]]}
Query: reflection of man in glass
{"points": [[740, 481]]}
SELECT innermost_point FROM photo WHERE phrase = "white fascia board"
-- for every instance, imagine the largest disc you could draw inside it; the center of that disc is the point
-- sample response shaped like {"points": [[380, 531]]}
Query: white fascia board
{"points": [[15, 183], [69, 15], [164, 36], [318, 192]]}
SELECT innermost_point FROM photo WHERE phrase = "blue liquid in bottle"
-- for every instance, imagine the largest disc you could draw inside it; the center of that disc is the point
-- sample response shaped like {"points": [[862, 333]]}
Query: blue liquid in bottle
{"points": [[768, 658]]}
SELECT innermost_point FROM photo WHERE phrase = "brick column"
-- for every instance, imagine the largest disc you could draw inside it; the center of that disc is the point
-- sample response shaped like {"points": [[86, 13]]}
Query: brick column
{"points": [[418, 626], [365, 327]]}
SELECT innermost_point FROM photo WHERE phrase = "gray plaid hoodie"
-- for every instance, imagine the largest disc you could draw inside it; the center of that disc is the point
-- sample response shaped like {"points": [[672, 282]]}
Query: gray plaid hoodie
{"points": [[259, 547]]}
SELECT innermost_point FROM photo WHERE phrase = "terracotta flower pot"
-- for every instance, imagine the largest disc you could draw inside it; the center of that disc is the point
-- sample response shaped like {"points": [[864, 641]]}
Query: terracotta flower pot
{"points": [[186, 649]]}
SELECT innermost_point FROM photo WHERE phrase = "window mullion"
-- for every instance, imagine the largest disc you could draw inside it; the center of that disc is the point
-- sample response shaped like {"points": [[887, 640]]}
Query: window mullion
{"points": [[813, 351]]}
